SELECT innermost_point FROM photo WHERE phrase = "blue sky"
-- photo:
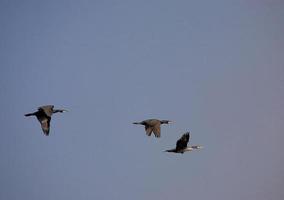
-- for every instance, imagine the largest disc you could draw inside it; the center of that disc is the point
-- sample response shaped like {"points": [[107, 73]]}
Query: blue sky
{"points": [[215, 68]]}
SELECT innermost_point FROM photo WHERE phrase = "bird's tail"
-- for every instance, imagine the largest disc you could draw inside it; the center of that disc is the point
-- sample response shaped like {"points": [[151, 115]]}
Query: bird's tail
{"points": [[171, 150], [29, 114]]}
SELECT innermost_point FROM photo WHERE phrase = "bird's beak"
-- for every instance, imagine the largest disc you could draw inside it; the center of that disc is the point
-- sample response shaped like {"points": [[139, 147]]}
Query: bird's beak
{"points": [[170, 122], [64, 110]]}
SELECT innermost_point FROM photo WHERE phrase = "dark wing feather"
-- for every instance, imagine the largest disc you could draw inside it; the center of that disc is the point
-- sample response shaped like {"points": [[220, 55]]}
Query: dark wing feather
{"points": [[148, 130], [182, 142], [157, 130], [45, 125]]}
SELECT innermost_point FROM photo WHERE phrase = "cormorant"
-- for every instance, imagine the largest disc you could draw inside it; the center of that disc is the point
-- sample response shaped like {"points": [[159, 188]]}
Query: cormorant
{"points": [[153, 125], [44, 116], [181, 145]]}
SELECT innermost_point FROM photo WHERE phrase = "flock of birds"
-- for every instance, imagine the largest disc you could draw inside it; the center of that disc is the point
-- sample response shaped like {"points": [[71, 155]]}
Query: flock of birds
{"points": [[44, 113]]}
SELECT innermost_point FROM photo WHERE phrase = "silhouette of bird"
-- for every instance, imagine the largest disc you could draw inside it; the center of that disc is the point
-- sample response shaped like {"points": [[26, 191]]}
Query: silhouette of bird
{"points": [[181, 145], [153, 125], [44, 116]]}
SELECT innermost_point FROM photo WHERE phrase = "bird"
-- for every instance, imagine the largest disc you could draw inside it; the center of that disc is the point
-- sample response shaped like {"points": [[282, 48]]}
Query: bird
{"points": [[181, 145], [43, 114], [153, 125]]}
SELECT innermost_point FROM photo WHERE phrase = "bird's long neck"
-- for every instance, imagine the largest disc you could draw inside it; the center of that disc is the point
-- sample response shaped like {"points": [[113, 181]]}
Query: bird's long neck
{"points": [[197, 147], [190, 148], [58, 110], [165, 121]]}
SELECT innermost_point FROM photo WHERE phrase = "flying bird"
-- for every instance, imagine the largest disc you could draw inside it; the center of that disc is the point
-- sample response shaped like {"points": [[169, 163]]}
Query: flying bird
{"points": [[44, 116], [153, 125], [181, 145]]}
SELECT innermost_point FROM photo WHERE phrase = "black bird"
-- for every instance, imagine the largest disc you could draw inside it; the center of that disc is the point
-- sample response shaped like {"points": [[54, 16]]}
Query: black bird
{"points": [[181, 145], [153, 125], [44, 116]]}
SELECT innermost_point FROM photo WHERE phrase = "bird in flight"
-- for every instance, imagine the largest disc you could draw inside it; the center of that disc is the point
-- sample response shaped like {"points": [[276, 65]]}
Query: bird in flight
{"points": [[43, 114], [181, 145], [153, 125]]}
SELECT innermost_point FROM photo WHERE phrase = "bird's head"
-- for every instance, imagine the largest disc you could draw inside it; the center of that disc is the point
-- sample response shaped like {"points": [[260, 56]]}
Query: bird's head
{"points": [[166, 122], [59, 110]]}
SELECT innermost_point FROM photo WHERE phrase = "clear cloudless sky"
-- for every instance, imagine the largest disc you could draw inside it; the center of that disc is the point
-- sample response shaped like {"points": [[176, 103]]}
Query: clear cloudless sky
{"points": [[216, 68]]}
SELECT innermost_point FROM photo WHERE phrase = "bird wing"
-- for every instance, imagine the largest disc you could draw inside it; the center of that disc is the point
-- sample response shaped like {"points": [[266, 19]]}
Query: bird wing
{"points": [[182, 142], [48, 110], [157, 130], [148, 130], [45, 124]]}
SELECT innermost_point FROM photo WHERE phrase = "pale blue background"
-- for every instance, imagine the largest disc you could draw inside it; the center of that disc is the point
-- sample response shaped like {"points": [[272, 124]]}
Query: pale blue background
{"points": [[214, 67]]}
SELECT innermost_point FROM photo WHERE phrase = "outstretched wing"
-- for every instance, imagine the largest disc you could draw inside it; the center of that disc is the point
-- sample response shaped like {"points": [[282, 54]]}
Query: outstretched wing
{"points": [[182, 142], [157, 130], [148, 130], [45, 123]]}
